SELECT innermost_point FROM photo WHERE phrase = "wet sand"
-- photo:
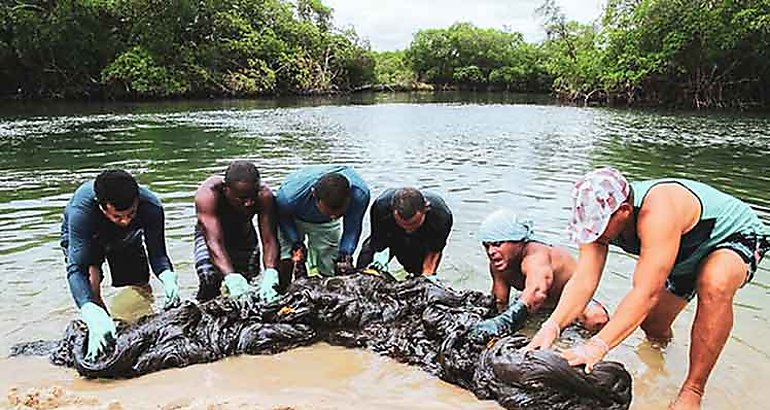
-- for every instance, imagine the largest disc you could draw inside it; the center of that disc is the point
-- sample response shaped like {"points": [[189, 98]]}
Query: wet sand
{"points": [[316, 377]]}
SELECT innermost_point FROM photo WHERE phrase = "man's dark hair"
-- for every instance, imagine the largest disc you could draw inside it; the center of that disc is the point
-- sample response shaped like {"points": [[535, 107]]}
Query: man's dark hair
{"points": [[333, 190], [241, 171], [116, 187], [408, 202]]}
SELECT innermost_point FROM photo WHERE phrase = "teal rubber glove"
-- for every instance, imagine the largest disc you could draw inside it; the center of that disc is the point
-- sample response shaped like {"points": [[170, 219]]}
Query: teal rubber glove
{"points": [[511, 320], [381, 259], [267, 285], [432, 278], [101, 328], [170, 282], [236, 284]]}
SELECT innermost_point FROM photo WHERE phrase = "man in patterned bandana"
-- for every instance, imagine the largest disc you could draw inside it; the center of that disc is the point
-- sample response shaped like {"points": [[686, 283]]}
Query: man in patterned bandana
{"points": [[692, 240]]}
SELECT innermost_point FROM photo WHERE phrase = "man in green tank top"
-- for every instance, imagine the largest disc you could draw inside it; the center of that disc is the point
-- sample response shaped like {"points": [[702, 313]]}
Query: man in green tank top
{"points": [[691, 240]]}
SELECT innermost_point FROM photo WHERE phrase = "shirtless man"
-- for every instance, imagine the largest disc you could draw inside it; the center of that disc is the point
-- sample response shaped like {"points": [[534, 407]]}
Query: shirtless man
{"points": [[518, 259], [226, 249]]}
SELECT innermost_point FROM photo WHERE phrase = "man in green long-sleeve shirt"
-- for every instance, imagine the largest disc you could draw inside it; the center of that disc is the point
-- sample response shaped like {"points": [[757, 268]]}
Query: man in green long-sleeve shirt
{"points": [[310, 203]]}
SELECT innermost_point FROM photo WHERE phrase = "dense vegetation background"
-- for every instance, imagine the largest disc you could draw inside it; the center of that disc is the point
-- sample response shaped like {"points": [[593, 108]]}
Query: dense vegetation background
{"points": [[689, 53], [165, 48]]}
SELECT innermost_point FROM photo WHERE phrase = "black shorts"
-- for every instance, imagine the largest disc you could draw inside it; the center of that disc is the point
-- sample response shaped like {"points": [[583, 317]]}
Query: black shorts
{"points": [[125, 255], [749, 246]]}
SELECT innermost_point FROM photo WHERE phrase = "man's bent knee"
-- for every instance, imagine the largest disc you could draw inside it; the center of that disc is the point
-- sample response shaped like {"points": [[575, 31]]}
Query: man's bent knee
{"points": [[594, 317], [719, 291], [720, 277]]}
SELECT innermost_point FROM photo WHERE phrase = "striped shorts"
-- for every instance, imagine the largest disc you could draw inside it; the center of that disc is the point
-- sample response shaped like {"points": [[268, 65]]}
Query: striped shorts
{"points": [[244, 255]]}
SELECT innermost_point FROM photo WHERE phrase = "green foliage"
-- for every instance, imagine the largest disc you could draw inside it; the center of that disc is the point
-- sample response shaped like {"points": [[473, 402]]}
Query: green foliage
{"points": [[700, 53], [470, 75], [138, 73], [55, 48], [574, 59], [466, 55], [170, 48], [693, 53], [391, 67]]}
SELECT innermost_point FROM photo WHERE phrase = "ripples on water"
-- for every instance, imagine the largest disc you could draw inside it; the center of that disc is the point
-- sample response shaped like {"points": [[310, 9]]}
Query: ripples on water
{"points": [[480, 154]]}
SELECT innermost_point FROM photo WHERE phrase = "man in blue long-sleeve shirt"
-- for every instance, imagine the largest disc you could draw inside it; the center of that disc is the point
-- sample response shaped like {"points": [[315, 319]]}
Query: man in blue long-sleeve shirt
{"points": [[310, 202], [113, 218]]}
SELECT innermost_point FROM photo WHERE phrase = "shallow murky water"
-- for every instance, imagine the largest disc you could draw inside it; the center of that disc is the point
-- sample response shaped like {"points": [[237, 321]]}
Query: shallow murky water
{"points": [[481, 152]]}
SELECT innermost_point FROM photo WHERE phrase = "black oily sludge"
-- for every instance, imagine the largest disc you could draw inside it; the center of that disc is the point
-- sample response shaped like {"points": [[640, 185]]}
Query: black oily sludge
{"points": [[417, 322], [185, 335]]}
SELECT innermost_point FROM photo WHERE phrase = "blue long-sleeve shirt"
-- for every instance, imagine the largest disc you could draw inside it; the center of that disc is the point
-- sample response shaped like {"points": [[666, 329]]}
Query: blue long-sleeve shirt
{"points": [[295, 200], [86, 234]]}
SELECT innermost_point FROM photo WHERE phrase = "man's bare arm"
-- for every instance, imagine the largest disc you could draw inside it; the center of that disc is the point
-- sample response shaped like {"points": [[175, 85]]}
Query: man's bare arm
{"points": [[538, 276], [581, 286], [660, 234], [501, 289], [268, 228], [430, 263], [205, 209]]}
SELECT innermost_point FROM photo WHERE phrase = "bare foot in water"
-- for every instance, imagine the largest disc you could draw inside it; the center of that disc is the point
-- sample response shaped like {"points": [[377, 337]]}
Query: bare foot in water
{"points": [[687, 400]]}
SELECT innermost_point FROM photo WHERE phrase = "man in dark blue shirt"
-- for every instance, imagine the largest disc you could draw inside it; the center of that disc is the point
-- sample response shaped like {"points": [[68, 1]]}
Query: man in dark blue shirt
{"points": [[113, 218], [310, 201], [409, 225]]}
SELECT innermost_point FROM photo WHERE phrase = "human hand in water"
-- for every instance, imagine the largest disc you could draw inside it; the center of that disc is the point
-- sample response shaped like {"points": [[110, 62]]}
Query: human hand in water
{"points": [[344, 265], [432, 277], [380, 260], [101, 329], [235, 284], [299, 252], [510, 320], [544, 338], [588, 353], [170, 282], [267, 285]]}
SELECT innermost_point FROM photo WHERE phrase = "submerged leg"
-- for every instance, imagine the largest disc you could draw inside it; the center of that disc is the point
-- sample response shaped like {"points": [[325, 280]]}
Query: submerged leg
{"points": [[720, 276], [657, 324]]}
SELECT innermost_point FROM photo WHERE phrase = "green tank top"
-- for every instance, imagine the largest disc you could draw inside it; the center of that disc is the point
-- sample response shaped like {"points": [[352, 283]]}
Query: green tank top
{"points": [[721, 216]]}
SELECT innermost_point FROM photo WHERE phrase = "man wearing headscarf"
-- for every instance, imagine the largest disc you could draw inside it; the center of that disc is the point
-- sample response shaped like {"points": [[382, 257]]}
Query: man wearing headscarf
{"points": [[691, 238], [519, 259]]}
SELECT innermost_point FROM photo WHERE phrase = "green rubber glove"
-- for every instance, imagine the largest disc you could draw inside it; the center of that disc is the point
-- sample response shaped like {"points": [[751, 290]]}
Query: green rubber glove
{"points": [[381, 259], [432, 278], [101, 328], [267, 285], [509, 321], [236, 284], [170, 282]]}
